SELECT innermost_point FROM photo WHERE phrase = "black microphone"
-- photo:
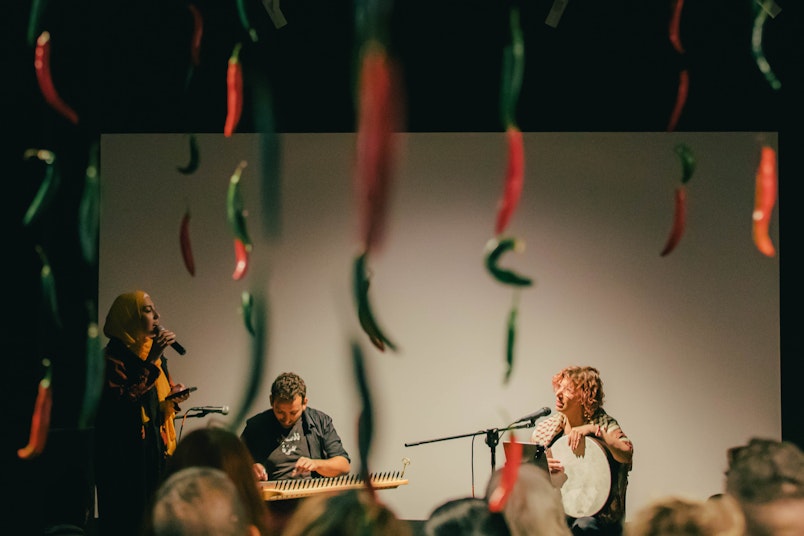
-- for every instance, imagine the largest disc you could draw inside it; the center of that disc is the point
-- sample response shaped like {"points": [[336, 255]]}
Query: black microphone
{"points": [[223, 410], [545, 411], [176, 346]]}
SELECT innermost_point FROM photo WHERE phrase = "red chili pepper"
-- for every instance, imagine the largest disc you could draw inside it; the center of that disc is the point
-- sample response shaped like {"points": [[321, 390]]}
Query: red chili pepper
{"points": [[681, 99], [198, 31], [764, 201], [184, 241], [43, 76], [241, 258], [675, 22], [679, 221], [40, 421], [514, 178], [234, 84], [378, 119], [499, 496]]}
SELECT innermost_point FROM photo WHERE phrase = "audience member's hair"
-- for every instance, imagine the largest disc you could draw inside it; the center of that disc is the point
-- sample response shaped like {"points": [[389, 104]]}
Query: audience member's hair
{"points": [[534, 506], [223, 449], [465, 516], [346, 513], [200, 501], [679, 516], [767, 478]]}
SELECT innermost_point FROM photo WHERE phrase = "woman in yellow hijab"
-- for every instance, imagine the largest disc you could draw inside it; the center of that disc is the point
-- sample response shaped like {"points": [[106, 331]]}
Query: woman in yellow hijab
{"points": [[134, 431]]}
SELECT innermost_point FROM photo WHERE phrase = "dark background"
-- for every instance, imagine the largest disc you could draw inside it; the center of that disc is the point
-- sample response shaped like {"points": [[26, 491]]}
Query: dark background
{"points": [[125, 68]]}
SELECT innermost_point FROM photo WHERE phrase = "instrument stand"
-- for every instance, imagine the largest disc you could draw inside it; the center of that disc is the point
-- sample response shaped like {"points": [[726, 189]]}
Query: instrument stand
{"points": [[492, 438]]}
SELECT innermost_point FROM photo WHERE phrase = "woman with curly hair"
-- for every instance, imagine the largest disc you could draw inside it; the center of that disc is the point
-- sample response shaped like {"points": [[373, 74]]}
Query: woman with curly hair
{"points": [[579, 413]]}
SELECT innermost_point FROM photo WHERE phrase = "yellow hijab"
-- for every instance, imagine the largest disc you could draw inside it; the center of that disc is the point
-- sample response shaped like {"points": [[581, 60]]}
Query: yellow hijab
{"points": [[124, 322]]}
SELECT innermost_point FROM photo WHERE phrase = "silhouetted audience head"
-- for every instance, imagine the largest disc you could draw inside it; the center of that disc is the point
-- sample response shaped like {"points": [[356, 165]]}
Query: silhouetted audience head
{"points": [[223, 449], [346, 513], [465, 516], [679, 516], [534, 506], [767, 478], [200, 501]]}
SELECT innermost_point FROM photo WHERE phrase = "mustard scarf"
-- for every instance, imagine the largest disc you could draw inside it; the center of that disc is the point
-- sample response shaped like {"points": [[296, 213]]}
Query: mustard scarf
{"points": [[124, 322]]}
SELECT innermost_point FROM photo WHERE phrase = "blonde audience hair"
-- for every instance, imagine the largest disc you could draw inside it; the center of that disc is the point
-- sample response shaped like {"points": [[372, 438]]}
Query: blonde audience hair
{"points": [[719, 515]]}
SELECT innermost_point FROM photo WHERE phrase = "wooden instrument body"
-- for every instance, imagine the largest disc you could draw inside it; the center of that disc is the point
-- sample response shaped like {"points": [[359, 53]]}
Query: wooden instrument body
{"points": [[585, 483], [277, 490]]}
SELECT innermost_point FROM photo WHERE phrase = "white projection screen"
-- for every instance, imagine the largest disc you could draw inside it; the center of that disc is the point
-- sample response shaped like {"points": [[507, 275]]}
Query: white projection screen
{"points": [[687, 344]]}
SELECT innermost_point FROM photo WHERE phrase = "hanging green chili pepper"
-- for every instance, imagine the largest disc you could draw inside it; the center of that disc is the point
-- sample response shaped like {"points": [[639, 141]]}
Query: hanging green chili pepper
{"points": [[764, 201], [513, 71], [365, 421], [48, 285], [241, 12], [514, 179], [40, 421], [377, 122], [89, 209], [259, 355], [198, 32], [47, 190], [43, 76], [95, 365], [687, 162], [241, 260], [184, 242], [192, 164], [764, 8], [246, 309], [235, 213], [234, 92], [364, 311], [494, 250], [510, 341]]}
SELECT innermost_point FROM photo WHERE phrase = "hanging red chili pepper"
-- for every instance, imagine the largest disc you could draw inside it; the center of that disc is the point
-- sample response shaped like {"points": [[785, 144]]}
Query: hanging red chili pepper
{"points": [[499, 496], [378, 120], [681, 99], [234, 93], [514, 179], [40, 421], [43, 76], [184, 242], [764, 201], [680, 211], [241, 260], [675, 23], [198, 32]]}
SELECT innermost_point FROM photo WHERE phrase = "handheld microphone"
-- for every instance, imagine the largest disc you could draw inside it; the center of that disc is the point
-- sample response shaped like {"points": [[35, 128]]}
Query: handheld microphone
{"points": [[176, 346], [223, 410], [535, 415]]}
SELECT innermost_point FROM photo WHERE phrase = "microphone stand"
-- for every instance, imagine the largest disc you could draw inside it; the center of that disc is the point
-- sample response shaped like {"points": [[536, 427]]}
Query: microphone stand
{"points": [[492, 438]]}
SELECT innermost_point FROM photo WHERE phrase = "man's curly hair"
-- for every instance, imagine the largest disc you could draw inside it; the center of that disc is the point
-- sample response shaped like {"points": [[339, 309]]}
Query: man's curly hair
{"points": [[765, 470], [286, 386]]}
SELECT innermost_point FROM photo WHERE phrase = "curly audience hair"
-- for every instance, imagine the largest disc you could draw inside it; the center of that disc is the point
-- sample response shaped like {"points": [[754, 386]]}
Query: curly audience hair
{"points": [[587, 383], [286, 386], [674, 516]]}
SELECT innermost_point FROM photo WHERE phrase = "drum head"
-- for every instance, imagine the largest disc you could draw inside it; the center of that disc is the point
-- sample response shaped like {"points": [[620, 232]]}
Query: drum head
{"points": [[588, 476]]}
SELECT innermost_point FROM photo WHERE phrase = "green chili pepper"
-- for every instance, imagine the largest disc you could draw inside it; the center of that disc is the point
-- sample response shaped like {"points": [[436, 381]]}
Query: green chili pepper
{"points": [[234, 208], [365, 424], [258, 356], [687, 162], [511, 339], [47, 190], [94, 373], [48, 284], [246, 308], [195, 158], [364, 312], [513, 68], [89, 209], [494, 250]]}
